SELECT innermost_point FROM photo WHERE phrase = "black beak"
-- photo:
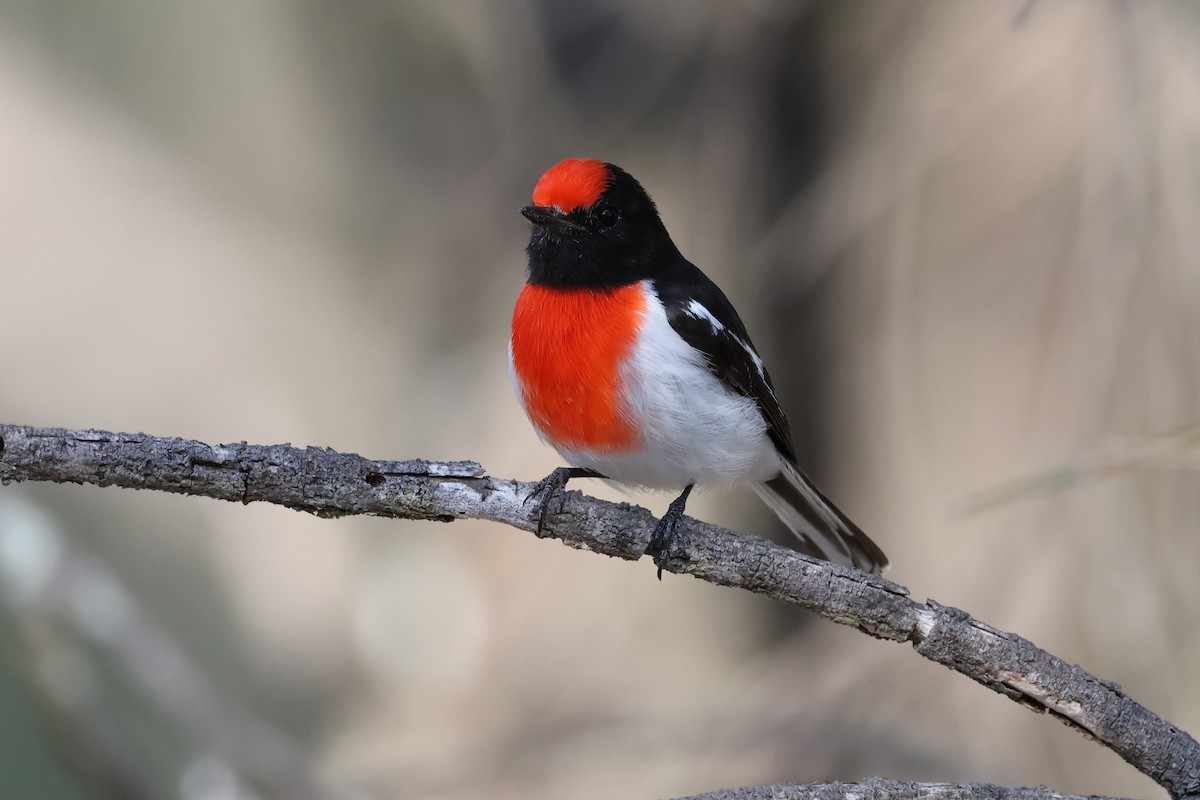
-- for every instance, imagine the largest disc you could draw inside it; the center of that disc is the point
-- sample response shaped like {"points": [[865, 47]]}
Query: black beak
{"points": [[551, 218]]}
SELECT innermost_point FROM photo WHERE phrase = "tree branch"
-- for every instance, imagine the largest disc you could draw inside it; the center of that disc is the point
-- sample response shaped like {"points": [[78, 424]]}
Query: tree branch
{"points": [[880, 789], [330, 484]]}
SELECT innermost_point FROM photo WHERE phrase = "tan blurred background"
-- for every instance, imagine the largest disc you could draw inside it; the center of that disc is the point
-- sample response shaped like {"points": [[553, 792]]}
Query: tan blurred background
{"points": [[963, 234]]}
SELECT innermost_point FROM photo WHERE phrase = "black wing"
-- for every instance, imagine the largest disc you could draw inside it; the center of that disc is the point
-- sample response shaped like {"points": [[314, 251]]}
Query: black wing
{"points": [[701, 314]]}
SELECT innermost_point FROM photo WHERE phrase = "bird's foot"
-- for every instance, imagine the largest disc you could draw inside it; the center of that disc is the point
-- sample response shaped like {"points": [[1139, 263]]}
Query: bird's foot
{"points": [[666, 534], [553, 488]]}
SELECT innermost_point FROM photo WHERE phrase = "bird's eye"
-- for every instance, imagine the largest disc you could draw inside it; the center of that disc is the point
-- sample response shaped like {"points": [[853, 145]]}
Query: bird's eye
{"points": [[608, 216]]}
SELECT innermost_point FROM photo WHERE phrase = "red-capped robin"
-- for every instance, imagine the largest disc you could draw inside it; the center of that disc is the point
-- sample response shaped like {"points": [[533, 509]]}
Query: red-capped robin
{"points": [[635, 367]]}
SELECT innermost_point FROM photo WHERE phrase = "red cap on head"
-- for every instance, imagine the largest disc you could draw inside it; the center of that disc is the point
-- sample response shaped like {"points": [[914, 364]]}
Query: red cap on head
{"points": [[572, 184]]}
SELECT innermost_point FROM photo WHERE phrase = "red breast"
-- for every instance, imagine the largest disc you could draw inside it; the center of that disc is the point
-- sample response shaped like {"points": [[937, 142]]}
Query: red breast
{"points": [[568, 347]]}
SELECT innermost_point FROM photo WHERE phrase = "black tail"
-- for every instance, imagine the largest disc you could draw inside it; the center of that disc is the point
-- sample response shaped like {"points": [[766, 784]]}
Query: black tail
{"points": [[824, 530]]}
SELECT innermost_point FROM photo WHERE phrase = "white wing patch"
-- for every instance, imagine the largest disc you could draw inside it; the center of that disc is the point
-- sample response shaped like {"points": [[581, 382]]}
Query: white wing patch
{"points": [[698, 311], [695, 309]]}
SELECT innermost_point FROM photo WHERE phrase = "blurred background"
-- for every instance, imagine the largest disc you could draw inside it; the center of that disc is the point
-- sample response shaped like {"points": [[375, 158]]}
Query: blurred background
{"points": [[963, 234]]}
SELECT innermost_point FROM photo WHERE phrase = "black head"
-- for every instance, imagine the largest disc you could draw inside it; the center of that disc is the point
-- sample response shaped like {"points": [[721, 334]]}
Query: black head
{"points": [[594, 226]]}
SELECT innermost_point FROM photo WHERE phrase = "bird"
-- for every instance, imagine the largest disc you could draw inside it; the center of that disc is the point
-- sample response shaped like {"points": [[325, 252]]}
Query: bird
{"points": [[633, 365]]}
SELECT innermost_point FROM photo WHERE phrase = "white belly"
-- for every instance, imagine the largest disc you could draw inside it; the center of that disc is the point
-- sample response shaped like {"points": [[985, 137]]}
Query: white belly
{"points": [[694, 429]]}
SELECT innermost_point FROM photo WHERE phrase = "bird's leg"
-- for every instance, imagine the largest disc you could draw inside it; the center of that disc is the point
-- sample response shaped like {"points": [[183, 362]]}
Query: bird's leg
{"points": [[664, 539], [553, 485]]}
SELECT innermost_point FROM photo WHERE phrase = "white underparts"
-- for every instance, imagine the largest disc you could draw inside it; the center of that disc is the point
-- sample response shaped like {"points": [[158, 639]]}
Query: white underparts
{"points": [[694, 428]]}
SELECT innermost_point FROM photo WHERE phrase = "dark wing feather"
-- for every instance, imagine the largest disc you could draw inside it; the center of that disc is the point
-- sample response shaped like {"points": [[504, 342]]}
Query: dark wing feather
{"points": [[701, 314]]}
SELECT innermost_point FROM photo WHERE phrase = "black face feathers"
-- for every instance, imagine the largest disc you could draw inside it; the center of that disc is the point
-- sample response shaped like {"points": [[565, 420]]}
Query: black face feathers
{"points": [[617, 240]]}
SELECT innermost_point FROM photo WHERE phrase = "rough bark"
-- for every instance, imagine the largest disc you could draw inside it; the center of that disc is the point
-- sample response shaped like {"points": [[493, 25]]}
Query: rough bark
{"points": [[330, 484], [880, 789]]}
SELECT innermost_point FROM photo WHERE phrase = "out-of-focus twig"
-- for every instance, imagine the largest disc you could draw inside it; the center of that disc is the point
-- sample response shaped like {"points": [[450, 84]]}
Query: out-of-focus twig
{"points": [[329, 483], [1177, 450], [1020, 12]]}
